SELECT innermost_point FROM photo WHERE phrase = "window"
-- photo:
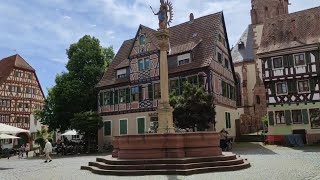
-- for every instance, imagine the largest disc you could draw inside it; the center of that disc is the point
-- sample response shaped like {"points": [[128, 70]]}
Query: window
{"points": [[174, 86], [28, 90], [19, 89], [277, 62], [220, 37], [123, 126], [144, 64], [280, 117], [141, 125], [108, 98], [282, 88], [142, 39], [107, 128], [122, 95], [193, 79], [29, 76], [303, 86], [26, 105], [157, 91], [296, 116], [226, 63], [228, 120], [219, 57], [183, 61], [135, 93], [26, 120], [19, 105], [299, 59], [121, 73], [315, 118], [4, 118], [75, 137]]}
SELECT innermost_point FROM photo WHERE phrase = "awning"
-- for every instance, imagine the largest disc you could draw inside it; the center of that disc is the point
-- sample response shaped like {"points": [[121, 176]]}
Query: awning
{"points": [[70, 133], [6, 136], [6, 129]]}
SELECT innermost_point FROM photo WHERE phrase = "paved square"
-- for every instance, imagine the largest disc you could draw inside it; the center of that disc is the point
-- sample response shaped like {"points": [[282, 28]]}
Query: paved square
{"points": [[267, 162]]}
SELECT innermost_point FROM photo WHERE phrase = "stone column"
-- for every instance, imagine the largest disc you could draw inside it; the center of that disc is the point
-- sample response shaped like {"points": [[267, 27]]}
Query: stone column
{"points": [[164, 110]]}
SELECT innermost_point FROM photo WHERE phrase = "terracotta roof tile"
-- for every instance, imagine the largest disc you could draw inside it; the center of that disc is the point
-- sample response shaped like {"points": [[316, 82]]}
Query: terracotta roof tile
{"points": [[9, 63], [291, 30], [123, 53], [198, 36]]}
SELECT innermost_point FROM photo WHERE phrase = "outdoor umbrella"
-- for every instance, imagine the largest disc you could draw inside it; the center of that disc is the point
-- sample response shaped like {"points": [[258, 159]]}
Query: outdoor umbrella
{"points": [[10, 129], [6, 136], [70, 133]]}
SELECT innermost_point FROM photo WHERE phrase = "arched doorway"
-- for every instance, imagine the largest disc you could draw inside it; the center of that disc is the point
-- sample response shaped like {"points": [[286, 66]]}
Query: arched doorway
{"points": [[24, 138]]}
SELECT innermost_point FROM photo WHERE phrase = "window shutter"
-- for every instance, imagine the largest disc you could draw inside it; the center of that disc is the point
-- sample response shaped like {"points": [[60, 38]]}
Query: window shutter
{"points": [[312, 83], [273, 87], [285, 61], [101, 99], [287, 117], [123, 127], [116, 97], [271, 118], [111, 97], [227, 123], [305, 116], [292, 86], [141, 125], [128, 100], [229, 120], [150, 91], [308, 58], [269, 62], [140, 93], [290, 61]]}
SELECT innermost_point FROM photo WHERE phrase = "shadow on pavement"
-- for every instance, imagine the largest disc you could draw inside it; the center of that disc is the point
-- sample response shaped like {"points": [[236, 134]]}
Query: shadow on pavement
{"points": [[54, 156], [5, 168], [251, 148], [307, 148]]}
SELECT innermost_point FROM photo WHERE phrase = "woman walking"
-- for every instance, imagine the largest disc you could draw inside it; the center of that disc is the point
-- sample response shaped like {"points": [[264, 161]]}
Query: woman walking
{"points": [[27, 149]]}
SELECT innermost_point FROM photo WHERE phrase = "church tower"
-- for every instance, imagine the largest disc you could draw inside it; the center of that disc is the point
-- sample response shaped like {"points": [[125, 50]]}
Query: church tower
{"points": [[263, 9]]}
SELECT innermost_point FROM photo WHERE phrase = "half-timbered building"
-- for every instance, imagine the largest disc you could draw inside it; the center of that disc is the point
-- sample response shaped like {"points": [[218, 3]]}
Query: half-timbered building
{"points": [[290, 51], [199, 53], [20, 95]]}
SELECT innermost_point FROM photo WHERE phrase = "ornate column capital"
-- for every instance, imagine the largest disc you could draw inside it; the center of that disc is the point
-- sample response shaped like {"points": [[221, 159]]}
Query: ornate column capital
{"points": [[163, 39]]}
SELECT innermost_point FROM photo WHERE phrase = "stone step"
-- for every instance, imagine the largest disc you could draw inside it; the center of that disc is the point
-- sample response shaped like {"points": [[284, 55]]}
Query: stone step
{"points": [[114, 161], [97, 170], [157, 166]]}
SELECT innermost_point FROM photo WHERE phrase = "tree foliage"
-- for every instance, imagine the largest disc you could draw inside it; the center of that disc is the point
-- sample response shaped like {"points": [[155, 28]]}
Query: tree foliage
{"points": [[75, 91], [194, 108], [87, 123]]}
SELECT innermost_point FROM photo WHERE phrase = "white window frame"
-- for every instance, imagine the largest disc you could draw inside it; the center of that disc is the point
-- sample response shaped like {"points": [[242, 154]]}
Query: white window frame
{"points": [[301, 92], [145, 123], [273, 63], [275, 117], [294, 60], [183, 57], [126, 119], [286, 87], [110, 127], [120, 73]]}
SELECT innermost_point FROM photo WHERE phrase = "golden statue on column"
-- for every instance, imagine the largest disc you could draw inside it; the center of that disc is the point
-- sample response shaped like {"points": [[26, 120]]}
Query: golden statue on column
{"points": [[165, 117]]}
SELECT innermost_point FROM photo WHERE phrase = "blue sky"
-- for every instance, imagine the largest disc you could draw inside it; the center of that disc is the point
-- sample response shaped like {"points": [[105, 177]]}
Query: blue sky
{"points": [[42, 30]]}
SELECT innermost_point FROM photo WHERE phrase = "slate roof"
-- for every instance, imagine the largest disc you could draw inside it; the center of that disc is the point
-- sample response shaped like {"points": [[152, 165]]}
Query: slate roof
{"points": [[9, 63], [245, 53], [291, 30], [199, 36]]}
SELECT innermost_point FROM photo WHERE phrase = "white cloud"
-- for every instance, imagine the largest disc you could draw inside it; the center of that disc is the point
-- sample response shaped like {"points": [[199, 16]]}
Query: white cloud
{"points": [[67, 17]]}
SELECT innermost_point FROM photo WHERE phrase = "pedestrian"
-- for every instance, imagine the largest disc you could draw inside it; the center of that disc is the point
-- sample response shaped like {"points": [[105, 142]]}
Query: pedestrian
{"points": [[21, 151], [47, 151], [27, 149]]}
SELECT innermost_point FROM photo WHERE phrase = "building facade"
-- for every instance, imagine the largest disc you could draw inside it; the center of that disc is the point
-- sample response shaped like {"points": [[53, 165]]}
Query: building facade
{"points": [[276, 60], [20, 95], [199, 53]]}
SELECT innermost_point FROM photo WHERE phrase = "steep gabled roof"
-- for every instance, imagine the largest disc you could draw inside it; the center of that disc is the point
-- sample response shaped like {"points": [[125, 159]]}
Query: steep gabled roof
{"points": [[123, 53], [15, 61], [246, 52], [198, 36], [291, 30], [9, 63]]}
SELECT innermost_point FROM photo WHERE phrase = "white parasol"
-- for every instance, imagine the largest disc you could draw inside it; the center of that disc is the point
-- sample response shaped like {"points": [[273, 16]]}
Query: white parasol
{"points": [[4, 128]]}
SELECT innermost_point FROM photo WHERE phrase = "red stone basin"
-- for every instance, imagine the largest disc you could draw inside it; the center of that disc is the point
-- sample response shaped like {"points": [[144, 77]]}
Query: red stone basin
{"points": [[178, 145]]}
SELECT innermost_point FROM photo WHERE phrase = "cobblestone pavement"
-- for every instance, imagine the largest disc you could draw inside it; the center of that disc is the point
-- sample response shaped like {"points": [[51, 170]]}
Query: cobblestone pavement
{"points": [[267, 162]]}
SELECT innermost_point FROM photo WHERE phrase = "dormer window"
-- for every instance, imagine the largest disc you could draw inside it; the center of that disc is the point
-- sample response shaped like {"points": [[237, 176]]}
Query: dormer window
{"points": [[184, 59], [142, 39], [240, 45], [121, 73]]}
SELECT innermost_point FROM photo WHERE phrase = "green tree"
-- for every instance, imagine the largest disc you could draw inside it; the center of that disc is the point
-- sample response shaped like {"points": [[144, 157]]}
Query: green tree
{"points": [[87, 123], [194, 108], [75, 91]]}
